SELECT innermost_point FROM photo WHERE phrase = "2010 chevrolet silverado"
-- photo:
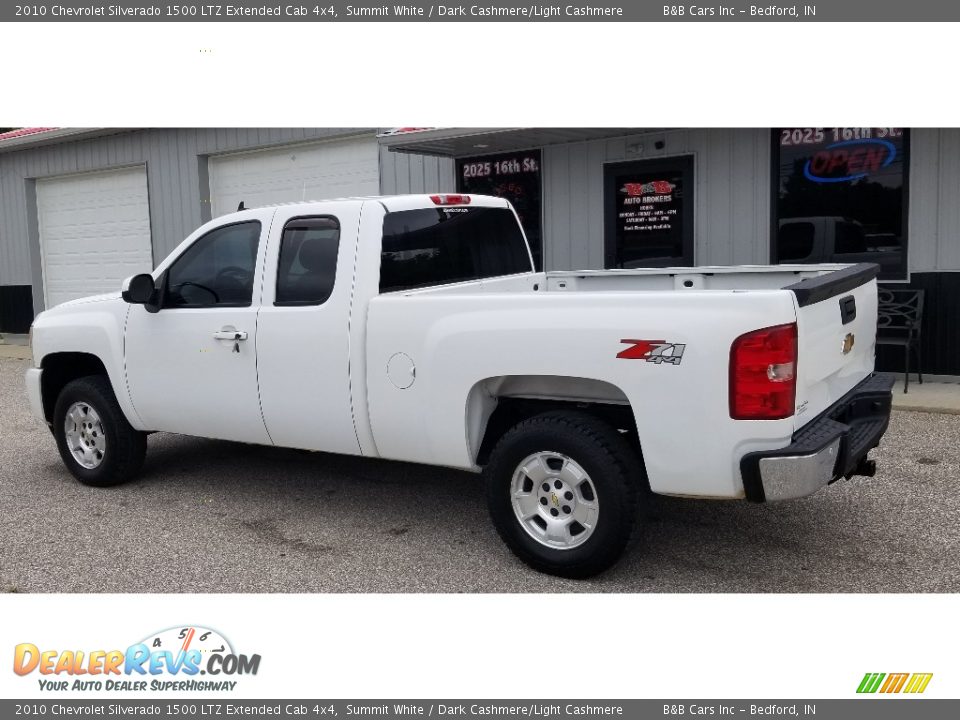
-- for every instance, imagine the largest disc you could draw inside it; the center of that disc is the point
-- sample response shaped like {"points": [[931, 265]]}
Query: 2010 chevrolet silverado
{"points": [[416, 328]]}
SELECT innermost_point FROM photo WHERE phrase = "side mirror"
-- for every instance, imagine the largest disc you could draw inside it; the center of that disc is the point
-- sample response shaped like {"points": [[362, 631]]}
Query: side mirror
{"points": [[140, 290]]}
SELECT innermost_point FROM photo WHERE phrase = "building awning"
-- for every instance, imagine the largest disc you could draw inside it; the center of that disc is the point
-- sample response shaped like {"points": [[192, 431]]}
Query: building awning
{"points": [[465, 142]]}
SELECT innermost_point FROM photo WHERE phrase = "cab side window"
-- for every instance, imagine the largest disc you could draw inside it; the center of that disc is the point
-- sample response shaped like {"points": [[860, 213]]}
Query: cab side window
{"points": [[217, 270], [307, 266]]}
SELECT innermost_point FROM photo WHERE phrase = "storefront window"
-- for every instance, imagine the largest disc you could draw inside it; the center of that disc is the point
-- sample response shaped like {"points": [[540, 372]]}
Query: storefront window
{"points": [[515, 176], [649, 213], [841, 197]]}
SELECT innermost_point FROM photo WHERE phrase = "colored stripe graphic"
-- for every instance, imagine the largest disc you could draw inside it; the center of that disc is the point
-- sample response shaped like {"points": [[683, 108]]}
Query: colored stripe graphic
{"points": [[918, 683], [894, 683], [870, 682]]}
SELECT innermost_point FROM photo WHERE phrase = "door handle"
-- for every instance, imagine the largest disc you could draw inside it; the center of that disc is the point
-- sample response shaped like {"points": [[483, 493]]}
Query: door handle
{"points": [[235, 335], [231, 334]]}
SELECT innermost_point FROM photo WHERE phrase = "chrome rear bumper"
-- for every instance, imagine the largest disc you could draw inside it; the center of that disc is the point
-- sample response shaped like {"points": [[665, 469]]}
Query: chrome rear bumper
{"points": [[832, 446]]}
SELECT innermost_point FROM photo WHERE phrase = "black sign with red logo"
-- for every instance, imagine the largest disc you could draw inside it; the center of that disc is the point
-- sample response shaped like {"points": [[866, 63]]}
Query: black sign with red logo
{"points": [[651, 207]]}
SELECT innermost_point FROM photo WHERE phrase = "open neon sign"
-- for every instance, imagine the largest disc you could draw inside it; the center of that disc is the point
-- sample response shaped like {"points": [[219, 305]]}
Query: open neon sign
{"points": [[855, 158]]}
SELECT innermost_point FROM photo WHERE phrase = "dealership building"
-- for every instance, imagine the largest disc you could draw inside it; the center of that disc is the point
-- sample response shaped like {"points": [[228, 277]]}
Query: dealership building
{"points": [[81, 209]]}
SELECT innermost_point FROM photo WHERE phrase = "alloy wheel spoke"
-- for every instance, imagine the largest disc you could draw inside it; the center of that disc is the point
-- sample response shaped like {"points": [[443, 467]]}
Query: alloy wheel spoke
{"points": [[585, 513], [536, 469], [558, 532], [572, 474], [526, 504]]}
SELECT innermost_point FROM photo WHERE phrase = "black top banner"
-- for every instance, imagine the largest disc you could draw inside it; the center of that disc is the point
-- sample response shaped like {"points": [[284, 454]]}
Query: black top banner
{"points": [[577, 11]]}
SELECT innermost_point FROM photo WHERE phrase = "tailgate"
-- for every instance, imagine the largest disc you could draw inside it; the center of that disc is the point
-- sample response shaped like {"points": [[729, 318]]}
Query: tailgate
{"points": [[836, 336]]}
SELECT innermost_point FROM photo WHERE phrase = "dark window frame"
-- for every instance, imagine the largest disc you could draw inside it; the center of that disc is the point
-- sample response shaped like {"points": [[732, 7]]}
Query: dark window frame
{"points": [[688, 167], [904, 275], [166, 273], [276, 280]]}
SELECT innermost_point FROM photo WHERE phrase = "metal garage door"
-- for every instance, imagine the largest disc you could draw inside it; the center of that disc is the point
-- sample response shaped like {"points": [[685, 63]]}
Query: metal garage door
{"points": [[339, 168], [94, 232]]}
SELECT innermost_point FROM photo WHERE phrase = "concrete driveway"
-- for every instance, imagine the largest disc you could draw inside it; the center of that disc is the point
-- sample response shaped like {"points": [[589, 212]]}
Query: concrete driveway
{"points": [[210, 516]]}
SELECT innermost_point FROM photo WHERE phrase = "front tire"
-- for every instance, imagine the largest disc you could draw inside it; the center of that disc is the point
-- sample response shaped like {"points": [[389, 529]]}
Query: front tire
{"points": [[97, 444], [562, 489]]}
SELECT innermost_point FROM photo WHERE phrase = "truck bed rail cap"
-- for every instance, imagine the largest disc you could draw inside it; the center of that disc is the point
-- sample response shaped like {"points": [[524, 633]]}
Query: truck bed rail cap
{"points": [[823, 287]]}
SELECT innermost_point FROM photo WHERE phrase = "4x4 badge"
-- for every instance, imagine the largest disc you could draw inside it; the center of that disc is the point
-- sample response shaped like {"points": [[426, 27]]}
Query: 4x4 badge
{"points": [[655, 351]]}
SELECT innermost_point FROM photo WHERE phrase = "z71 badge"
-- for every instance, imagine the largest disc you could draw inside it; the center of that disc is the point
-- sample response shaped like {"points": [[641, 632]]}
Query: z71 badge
{"points": [[655, 351]]}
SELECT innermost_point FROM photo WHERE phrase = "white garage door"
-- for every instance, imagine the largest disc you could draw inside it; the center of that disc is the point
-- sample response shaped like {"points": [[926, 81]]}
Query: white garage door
{"points": [[340, 168], [94, 232]]}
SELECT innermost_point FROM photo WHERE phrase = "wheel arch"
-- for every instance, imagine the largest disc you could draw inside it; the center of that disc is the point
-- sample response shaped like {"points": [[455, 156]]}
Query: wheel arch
{"points": [[61, 368], [496, 404]]}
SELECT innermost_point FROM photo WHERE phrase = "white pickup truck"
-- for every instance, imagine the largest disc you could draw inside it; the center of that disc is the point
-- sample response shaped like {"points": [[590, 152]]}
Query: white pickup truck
{"points": [[415, 328]]}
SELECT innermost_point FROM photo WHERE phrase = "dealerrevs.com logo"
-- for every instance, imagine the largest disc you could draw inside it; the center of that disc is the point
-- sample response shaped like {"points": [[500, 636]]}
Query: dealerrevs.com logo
{"points": [[172, 659]]}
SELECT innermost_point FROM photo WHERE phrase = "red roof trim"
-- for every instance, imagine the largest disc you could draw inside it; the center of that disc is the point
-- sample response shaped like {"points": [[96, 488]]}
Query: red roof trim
{"points": [[405, 130], [22, 132]]}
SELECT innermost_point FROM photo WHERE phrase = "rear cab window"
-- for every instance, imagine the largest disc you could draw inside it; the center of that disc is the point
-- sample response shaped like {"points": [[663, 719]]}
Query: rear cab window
{"points": [[443, 245]]}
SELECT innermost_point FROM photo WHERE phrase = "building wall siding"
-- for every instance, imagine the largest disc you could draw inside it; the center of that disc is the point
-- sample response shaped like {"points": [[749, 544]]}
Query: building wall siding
{"points": [[934, 213], [405, 173], [732, 194]]}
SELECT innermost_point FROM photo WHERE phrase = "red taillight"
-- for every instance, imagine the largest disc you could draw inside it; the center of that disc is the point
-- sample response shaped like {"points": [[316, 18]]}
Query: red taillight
{"points": [[763, 374], [450, 199]]}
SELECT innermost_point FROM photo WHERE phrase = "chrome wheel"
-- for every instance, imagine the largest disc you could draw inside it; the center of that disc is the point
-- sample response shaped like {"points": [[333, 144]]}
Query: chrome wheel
{"points": [[554, 500], [84, 434]]}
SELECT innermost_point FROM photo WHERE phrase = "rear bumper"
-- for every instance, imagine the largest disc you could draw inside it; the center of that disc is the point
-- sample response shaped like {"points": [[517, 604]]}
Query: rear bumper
{"points": [[830, 447]]}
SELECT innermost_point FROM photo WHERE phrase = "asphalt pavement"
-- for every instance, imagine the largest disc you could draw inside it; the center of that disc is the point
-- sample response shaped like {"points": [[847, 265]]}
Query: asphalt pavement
{"points": [[212, 516]]}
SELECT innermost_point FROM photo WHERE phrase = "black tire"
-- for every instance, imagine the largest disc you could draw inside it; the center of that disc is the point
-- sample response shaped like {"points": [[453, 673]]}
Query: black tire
{"points": [[614, 470], [125, 447]]}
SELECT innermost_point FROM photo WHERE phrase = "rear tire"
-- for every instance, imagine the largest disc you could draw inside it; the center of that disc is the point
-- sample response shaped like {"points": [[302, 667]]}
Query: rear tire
{"points": [[562, 489], [97, 444]]}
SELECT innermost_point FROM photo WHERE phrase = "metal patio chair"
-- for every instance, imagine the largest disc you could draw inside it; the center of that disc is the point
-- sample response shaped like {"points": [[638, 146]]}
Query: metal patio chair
{"points": [[899, 318]]}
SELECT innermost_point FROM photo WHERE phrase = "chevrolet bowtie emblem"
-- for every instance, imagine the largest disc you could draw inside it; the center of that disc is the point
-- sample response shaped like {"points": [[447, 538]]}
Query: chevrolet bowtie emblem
{"points": [[848, 343]]}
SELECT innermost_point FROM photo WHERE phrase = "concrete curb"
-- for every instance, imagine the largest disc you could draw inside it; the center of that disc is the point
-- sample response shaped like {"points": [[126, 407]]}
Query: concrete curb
{"points": [[930, 397], [14, 352], [928, 409]]}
